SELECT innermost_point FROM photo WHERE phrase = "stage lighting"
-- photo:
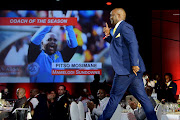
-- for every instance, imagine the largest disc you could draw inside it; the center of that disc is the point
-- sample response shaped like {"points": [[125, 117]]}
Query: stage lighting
{"points": [[109, 3]]}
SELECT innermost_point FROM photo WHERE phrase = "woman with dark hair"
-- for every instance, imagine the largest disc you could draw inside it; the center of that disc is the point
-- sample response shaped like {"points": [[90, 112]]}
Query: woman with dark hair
{"points": [[51, 95]]}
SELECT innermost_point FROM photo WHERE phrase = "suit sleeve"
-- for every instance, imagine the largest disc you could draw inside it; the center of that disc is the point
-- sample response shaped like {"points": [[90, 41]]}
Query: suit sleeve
{"points": [[174, 89], [108, 39], [130, 39]]}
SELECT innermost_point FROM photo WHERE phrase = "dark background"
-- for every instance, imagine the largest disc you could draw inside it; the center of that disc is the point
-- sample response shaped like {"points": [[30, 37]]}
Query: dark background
{"points": [[139, 15]]}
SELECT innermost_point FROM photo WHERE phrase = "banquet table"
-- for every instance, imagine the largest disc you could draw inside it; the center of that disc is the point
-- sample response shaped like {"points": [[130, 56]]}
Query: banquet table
{"points": [[4, 112], [124, 116], [168, 116], [171, 116]]}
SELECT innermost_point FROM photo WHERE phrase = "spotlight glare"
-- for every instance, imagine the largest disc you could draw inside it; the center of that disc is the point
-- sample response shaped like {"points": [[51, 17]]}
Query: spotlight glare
{"points": [[108, 3]]}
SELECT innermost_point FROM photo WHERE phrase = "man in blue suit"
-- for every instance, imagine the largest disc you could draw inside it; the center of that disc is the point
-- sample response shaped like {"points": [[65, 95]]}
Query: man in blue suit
{"points": [[127, 64]]}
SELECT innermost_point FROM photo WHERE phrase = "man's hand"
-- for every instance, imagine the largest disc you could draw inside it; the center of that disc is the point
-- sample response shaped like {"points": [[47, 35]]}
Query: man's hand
{"points": [[106, 30], [135, 69], [163, 101], [91, 105], [131, 116]]}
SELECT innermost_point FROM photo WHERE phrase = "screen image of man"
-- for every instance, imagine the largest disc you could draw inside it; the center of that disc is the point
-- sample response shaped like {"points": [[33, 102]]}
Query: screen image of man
{"points": [[127, 64], [43, 52]]}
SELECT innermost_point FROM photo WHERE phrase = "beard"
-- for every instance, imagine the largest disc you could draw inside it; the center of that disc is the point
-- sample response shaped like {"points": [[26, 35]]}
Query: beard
{"points": [[114, 21]]}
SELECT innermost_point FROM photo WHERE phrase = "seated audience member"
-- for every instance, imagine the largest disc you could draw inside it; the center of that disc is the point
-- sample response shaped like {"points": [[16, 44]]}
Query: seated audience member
{"points": [[21, 92], [51, 103], [5, 94], [39, 103], [147, 81], [139, 112], [33, 100], [170, 89], [94, 87], [20, 102], [61, 104], [51, 97], [158, 88], [85, 94], [98, 110], [157, 80]]}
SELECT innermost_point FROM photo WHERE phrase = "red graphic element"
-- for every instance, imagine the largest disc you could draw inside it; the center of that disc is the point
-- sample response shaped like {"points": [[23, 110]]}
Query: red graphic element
{"points": [[109, 3], [37, 21], [76, 72]]}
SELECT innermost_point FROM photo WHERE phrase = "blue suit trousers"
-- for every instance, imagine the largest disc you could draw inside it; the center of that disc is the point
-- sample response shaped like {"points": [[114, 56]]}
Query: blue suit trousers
{"points": [[135, 86]]}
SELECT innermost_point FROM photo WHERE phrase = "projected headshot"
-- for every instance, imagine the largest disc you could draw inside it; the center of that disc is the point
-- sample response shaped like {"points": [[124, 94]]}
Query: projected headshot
{"points": [[49, 43], [43, 51]]}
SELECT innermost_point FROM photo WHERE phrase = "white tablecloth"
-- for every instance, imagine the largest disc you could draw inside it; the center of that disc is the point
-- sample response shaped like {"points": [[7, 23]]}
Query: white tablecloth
{"points": [[124, 116], [171, 116], [4, 112]]}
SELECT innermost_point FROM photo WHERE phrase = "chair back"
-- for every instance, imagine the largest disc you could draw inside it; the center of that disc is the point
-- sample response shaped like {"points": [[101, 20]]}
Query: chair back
{"points": [[81, 110], [88, 115], [74, 112], [158, 110]]}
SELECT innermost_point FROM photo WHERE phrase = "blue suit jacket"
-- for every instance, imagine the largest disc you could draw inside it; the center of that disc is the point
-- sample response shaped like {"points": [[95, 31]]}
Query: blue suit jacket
{"points": [[124, 50]]}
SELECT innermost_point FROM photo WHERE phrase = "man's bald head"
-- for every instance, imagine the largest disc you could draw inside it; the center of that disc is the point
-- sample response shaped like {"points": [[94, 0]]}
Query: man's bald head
{"points": [[121, 12], [49, 43], [21, 92], [117, 15], [34, 92]]}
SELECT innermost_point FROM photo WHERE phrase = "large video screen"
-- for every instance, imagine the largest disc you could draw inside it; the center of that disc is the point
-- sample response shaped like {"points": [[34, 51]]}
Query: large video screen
{"points": [[53, 46]]}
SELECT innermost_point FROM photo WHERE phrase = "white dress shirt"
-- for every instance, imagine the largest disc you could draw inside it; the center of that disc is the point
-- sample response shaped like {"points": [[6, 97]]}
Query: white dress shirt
{"points": [[60, 97], [100, 108], [168, 83], [150, 83], [117, 24], [34, 101]]}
